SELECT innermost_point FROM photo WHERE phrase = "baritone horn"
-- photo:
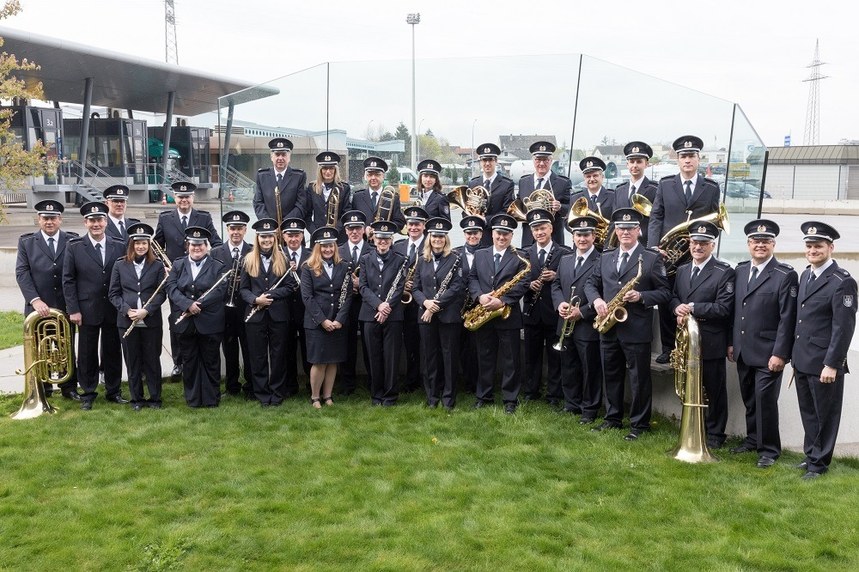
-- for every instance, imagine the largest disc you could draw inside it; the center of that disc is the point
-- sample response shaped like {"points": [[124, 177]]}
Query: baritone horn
{"points": [[47, 359], [580, 208]]}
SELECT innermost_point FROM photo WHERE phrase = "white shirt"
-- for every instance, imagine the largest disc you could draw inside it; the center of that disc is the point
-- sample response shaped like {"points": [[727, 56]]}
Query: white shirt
{"points": [[760, 267], [694, 180], [103, 244], [546, 184], [820, 270], [195, 269]]}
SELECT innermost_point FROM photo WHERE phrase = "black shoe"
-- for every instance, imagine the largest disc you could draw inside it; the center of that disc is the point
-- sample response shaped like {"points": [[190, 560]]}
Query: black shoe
{"points": [[553, 402], [73, 395], [177, 371], [152, 405], [586, 420], [765, 462], [633, 435], [479, 404], [810, 475], [743, 448], [86, 404], [664, 357], [117, 399], [715, 443], [571, 410], [136, 406], [606, 425], [803, 465], [510, 408], [448, 408]]}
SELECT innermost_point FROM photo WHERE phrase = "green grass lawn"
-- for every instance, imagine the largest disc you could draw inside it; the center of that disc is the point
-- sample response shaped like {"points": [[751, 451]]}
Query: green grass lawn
{"points": [[11, 329], [353, 487]]}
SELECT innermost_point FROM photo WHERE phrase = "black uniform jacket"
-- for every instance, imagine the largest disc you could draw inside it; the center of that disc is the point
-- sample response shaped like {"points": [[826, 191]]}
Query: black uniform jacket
{"points": [[825, 320], [483, 280], [321, 295], [253, 286], [375, 285], [644, 187], [561, 286], [402, 247], [183, 290], [605, 200], [428, 279], [561, 187], [713, 296], [293, 195], [543, 312], [437, 205], [346, 253], [126, 288], [669, 208], [171, 236], [764, 313], [319, 206], [500, 197], [39, 272], [224, 254], [605, 283], [362, 200], [112, 230], [86, 282]]}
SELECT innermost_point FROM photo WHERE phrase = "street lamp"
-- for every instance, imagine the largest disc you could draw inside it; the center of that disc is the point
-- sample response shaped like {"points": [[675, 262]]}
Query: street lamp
{"points": [[412, 20], [472, 146]]}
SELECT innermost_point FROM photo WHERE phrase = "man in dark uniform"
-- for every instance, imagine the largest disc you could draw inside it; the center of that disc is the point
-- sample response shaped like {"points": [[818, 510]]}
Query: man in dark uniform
{"points": [[472, 227], [538, 314], [762, 337], [638, 155], [116, 199], [231, 254], [39, 271], [87, 267], [412, 248], [435, 203], [679, 198], [352, 251], [500, 187], [321, 201], [599, 199], [626, 346], [367, 200], [296, 255], [291, 183], [704, 288], [493, 269], [825, 321], [581, 365], [170, 235], [544, 178]]}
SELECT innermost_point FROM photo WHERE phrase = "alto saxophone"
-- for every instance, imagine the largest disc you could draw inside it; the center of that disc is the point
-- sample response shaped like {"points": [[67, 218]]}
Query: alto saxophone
{"points": [[617, 307], [477, 317]]}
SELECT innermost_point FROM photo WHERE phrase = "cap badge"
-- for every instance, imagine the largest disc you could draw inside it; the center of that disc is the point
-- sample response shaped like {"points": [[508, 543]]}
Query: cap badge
{"points": [[326, 234], [280, 144], [762, 228], [49, 207], [811, 230], [196, 234], [373, 163], [486, 150], [702, 229], [327, 157], [353, 218], [583, 223], [266, 225], [439, 225], [503, 222], [589, 164], [542, 147], [94, 209], [236, 217], [293, 224], [687, 144], [635, 149], [627, 217], [183, 188]]}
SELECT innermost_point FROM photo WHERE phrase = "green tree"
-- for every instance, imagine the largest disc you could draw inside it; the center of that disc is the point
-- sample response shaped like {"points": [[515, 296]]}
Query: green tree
{"points": [[393, 177], [402, 132]]}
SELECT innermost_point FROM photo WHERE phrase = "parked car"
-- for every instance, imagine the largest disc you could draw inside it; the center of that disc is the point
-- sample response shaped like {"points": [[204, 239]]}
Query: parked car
{"points": [[744, 190]]}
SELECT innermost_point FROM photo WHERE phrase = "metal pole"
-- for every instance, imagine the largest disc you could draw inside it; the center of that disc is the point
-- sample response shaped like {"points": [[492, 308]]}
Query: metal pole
{"points": [[225, 154], [85, 128], [575, 111], [414, 129], [168, 126]]}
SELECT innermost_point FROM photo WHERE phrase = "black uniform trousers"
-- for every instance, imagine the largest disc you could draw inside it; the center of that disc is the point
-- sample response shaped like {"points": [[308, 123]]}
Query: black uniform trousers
{"points": [[201, 367], [581, 377], [235, 338], [440, 350], [142, 350], [618, 360], [347, 370], [383, 345], [820, 411], [412, 347], [467, 363], [713, 380], [538, 340], [760, 389], [294, 340], [267, 346], [88, 360], [491, 342], [175, 348], [667, 321]]}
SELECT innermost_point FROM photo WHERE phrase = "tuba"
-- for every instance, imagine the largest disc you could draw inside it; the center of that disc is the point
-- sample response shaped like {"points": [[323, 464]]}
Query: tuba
{"points": [[472, 200], [580, 208], [47, 359], [686, 361], [539, 199], [478, 316], [675, 243]]}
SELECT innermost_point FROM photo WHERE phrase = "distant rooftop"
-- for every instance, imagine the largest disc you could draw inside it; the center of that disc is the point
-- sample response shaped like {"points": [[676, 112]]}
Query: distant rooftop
{"points": [[815, 155]]}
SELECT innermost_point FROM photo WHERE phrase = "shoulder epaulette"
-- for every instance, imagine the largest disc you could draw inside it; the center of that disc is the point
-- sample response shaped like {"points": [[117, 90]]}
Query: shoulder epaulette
{"points": [[607, 250], [566, 178], [711, 181], [502, 176], [785, 266], [475, 179], [26, 235], [168, 211], [297, 170], [843, 272], [75, 239], [72, 234], [114, 239], [721, 263], [204, 212], [743, 263], [623, 184], [666, 177], [264, 169]]}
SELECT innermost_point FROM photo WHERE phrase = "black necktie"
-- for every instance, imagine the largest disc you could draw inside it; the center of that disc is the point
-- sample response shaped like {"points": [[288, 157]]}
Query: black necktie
{"points": [[593, 199], [540, 183], [578, 268], [279, 180], [695, 271], [98, 250], [51, 246], [754, 274], [411, 253], [354, 254], [486, 184], [688, 191], [375, 196], [631, 192], [810, 280], [294, 259], [122, 229], [184, 222], [623, 258], [497, 263], [235, 252], [541, 259]]}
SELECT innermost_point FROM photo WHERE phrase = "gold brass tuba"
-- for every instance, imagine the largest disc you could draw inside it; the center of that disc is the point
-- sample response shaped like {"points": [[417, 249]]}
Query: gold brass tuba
{"points": [[617, 307], [676, 241], [477, 317], [640, 203], [686, 361], [539, 199], [47, 359], [472, 200], [580, 208]]}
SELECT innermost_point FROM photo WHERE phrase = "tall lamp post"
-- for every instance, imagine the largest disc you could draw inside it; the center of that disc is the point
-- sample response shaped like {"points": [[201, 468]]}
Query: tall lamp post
{"points": [[413, 20], [472, 146]]}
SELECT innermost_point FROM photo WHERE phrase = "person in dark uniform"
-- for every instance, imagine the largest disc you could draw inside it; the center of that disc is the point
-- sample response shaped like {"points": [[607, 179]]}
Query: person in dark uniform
{"points": [[538, 314], [326, 290], [638, 155], [599, 199], [231, 254], [264, 289], [352, 251], [495, 269], [472, 227], [170, 235], [87, 268], [825, 322], [704, 288], [761, 339], [432, 198], [320, 196], [292, 184], [438, 294], [581, 364], [39, 272], [137, 292], [381, 282], [679, 198], [202, 318], [412, 248], [544, 178], [116, 199], [626, 346], [367, 200], [296, 255], [500, 187]]}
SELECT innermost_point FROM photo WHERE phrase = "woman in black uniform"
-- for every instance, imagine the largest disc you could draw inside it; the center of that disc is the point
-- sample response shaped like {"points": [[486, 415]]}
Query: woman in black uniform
{"points": [[326, 289], [137, 291], [264, 287], [433, 200], [320, 191]]}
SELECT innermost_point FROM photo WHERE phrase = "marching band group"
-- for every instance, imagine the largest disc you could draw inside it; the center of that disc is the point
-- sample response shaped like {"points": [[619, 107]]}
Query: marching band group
{"points": [[458, 314]]}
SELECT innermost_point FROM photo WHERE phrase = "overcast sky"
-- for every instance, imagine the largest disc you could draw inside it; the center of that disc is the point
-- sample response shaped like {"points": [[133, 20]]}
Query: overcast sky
{"points": [[752, 53]]}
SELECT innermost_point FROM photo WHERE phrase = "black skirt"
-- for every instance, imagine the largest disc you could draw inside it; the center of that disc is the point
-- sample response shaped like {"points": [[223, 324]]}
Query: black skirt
{"points": [[326, 347]]}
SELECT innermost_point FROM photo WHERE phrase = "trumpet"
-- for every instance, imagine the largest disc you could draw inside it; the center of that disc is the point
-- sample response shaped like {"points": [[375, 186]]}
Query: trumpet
{"points": [[407, 294], [569, 323], [580, 208], [234, 283], [217, 283]]}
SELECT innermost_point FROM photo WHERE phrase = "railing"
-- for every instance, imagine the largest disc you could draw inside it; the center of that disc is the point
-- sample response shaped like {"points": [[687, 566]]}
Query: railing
{"points": [[234, 184]]}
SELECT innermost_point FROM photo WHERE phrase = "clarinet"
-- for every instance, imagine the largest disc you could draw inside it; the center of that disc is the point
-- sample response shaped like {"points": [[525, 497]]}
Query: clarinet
{"points": [[402, 272], [535, 297], [257, 307], [446, 282], [344, 287]]}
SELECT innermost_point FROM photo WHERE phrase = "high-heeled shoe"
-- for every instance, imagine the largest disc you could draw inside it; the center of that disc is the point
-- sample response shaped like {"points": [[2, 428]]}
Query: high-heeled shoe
{"points": [[314, 401], [329, 401]]}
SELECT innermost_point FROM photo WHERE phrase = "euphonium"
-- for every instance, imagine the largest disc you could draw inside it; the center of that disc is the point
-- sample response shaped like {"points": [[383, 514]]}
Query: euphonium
{"points": [[47, 359], [477, 317], [539, 199], [580, 208], [569, 323], [640, 203], [686, 361], [472, 200], [617, 307], [675, 243]]}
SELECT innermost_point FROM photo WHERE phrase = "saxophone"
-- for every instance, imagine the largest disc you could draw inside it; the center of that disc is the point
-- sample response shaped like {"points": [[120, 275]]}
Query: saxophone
{"points": [[616, 308], [477, 317]]}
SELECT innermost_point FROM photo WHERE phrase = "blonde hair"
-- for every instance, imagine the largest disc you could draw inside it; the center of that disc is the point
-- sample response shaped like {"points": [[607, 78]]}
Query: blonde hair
{"points": [[319, 182], [314, 262], [428, 248], [253, 263]]}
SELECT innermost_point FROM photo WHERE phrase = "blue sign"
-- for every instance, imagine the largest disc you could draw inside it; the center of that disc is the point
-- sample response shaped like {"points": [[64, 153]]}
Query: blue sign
{"points": [[787, 140]]}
